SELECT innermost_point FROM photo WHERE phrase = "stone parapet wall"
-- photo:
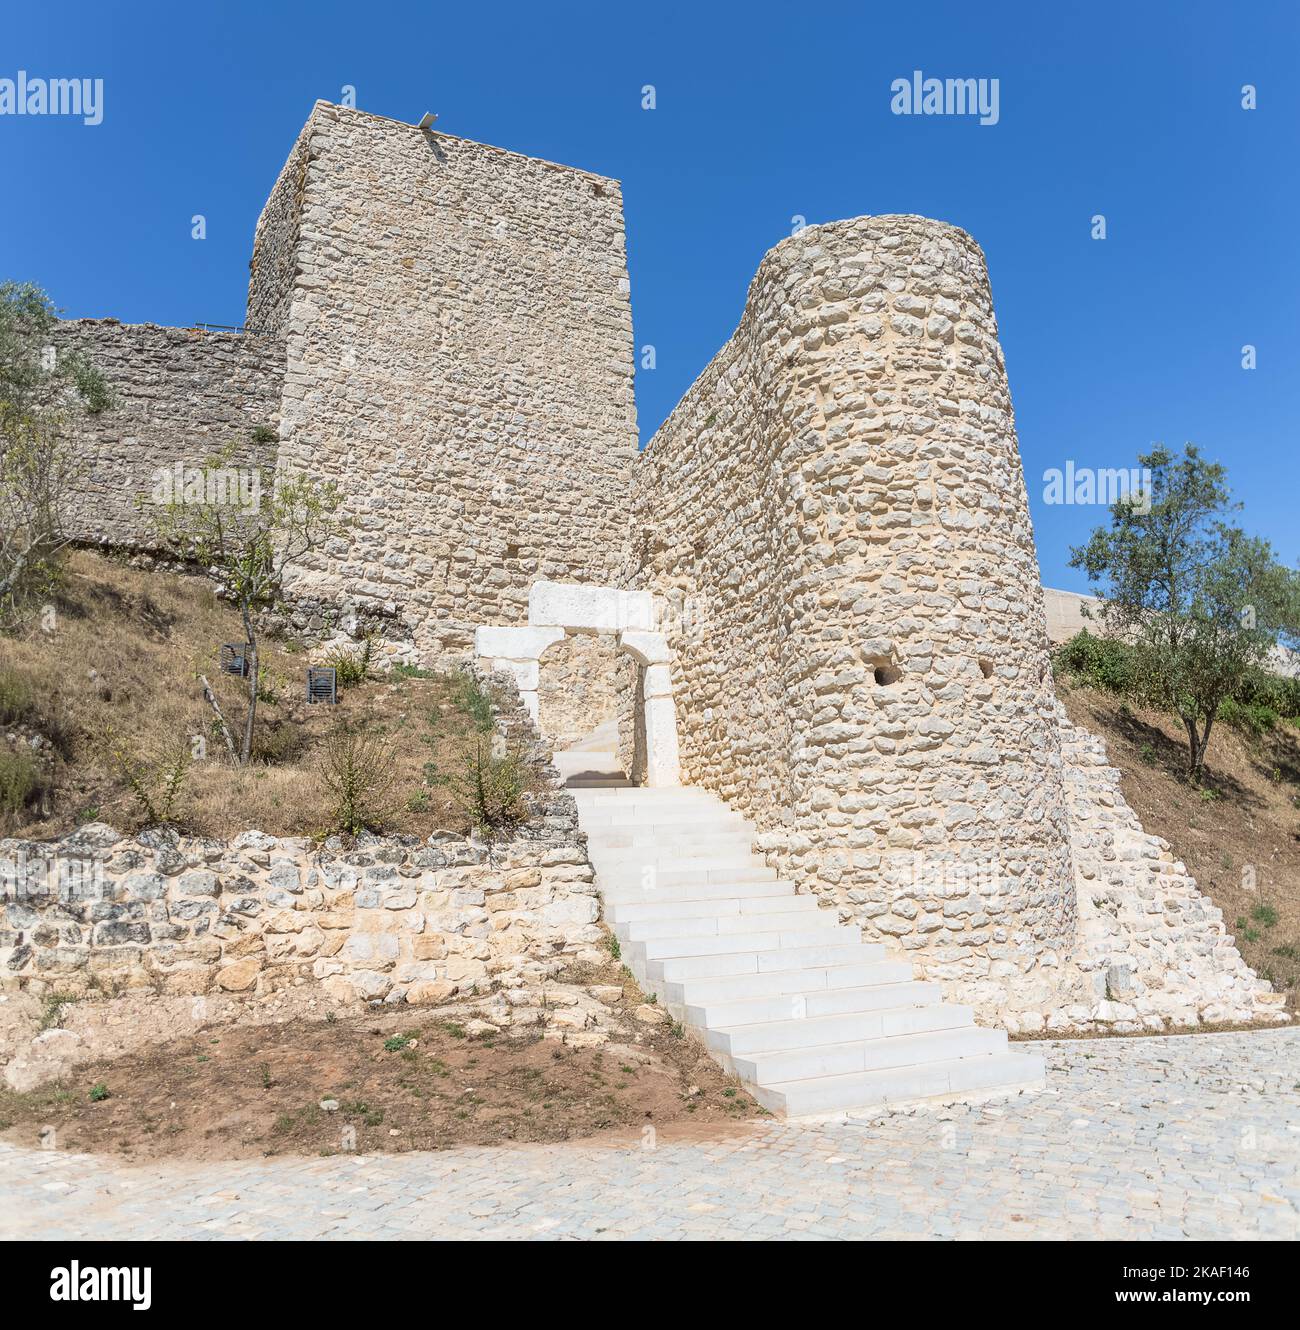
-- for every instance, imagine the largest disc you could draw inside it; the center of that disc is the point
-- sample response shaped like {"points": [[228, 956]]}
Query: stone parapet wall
{"points": [[180, 395], [838, 501], [459, 360]]}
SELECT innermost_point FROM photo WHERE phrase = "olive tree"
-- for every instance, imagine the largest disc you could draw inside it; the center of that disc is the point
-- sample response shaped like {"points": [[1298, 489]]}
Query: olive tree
{"points": [[1198, 599], [245, 526]]}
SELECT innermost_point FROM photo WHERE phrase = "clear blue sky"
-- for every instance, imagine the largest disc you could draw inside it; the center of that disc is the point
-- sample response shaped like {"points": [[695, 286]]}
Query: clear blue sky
{"points": [[764, 111]]}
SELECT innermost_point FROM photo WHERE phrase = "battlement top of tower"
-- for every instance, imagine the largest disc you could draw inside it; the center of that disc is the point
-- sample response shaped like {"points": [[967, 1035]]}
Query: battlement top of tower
{"points": [[384, 120]]}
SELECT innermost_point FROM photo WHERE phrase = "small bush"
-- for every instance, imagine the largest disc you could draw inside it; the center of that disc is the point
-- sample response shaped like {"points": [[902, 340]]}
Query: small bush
{"points": [[467, 695], [1102, 662], [357, 772], [491, 786], [155, 784], [351, 667], [1250, 717], [1264, 914], [17, 701], [20, 783], [98, 1093]]}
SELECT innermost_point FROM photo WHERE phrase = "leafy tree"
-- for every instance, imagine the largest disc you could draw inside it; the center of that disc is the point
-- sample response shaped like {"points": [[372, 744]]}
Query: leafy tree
{"points": [[39, 393], [246, 535], [1200, 601]]}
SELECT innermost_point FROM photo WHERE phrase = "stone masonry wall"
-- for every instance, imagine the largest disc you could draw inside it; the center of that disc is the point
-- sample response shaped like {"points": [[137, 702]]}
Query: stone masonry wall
{"points": [[578, 686], [390, 919], [863, 668], [387, 918], [459, 360], [180, 395], [1152, 949]]}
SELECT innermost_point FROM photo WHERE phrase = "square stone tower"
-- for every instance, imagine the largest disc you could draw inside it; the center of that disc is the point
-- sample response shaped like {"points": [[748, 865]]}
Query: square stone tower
{"points": [[457, 336]]}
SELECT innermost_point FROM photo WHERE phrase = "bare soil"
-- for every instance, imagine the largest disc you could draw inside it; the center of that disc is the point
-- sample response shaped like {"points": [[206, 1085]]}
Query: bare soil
{"points": [[413, 1080], [1238, 832]]}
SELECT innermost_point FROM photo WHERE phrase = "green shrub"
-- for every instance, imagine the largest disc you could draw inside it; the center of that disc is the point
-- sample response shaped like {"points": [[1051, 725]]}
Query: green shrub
{"points": [[491, 787], [1249, 717], [1264, 914], [17, 701], [1100, 661], [469, 697], [156, 785], [350, 667], [20, 780], [357, 772]]}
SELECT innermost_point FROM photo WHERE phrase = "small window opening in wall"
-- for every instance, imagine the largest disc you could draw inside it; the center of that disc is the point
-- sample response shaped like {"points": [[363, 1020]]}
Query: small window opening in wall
{"points": [[986, 668], [887, 673]]}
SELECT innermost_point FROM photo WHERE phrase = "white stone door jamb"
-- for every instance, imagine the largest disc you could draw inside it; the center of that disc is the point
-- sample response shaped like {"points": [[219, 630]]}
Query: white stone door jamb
{"points": [[559, 609]]}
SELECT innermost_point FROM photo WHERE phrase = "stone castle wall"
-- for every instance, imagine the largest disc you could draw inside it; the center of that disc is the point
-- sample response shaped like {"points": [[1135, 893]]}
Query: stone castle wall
{"points": [[862, 666], [459, 360], [180, 395]]}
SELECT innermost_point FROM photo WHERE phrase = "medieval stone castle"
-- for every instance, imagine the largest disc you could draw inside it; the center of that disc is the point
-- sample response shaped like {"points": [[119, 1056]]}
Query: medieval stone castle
{"points": [[814, 595]]}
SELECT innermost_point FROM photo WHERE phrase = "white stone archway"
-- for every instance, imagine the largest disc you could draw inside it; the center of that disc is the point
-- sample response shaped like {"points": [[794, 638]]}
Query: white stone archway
{"points": [[559, 609]]}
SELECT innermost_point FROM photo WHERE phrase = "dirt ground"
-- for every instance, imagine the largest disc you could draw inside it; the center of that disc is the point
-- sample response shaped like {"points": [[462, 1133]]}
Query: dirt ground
{"points": [[1241, 841], [377, 1083]]}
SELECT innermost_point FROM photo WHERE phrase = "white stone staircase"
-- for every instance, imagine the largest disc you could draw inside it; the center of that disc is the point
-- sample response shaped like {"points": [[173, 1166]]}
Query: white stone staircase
{"points": [[810, 1017]]}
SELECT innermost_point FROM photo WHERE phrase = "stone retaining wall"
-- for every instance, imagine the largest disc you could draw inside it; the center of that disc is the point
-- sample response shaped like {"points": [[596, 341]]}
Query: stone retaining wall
{"points": [[390, 919], [384, 919]]}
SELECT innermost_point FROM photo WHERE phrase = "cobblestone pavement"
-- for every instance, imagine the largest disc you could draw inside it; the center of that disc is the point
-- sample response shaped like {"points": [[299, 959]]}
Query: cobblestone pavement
{"points": [[1135, 1138]]}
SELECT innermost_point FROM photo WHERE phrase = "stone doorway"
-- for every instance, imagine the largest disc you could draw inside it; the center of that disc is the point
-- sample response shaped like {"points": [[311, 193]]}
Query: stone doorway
{"points": [[647, 728]]}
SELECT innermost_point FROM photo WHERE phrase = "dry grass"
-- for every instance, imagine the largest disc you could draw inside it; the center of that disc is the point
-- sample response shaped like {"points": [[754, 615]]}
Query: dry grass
{"points": [[120, 656], [1246, 816]]}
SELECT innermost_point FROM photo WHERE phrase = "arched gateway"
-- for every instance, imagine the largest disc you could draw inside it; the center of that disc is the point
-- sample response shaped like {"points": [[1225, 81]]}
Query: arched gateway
{"points": [[562, 609]]}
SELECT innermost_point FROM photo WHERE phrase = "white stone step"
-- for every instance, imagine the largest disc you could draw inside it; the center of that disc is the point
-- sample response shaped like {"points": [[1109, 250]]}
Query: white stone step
{"points": [[730, 840], [757, 961], [685, 859], [756, 940], [849, 1027], [1003, 1073], [631, 892], [859, 1055], [642, 801], [695, 815], [727, 925], [886, 986], [712, 906], [713, 990], [636, 877]]}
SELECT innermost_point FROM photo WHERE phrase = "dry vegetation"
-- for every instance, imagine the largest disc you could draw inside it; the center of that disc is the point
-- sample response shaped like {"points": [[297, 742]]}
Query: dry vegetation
{"points": [[101, 692], [414, 1080], [1243, 819]]}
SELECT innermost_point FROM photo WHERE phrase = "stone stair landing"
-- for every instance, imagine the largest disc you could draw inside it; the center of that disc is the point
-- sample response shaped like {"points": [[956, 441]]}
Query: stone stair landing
{"points": [[813, 1019]]}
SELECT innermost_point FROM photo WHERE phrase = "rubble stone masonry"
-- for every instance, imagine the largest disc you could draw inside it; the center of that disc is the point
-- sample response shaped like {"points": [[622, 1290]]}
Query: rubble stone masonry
{"points": [[863, 668], [459, 359], [180, 396]]}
